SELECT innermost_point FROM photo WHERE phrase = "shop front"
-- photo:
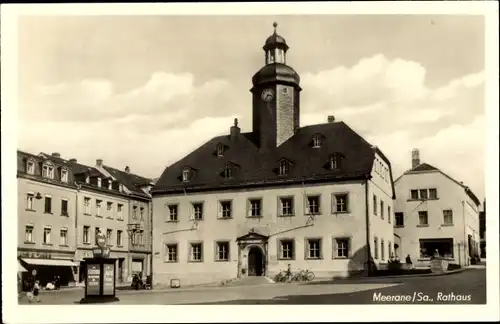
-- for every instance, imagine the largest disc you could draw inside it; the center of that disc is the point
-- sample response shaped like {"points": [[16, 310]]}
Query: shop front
{"points": [[121, 264], [46, 267]]}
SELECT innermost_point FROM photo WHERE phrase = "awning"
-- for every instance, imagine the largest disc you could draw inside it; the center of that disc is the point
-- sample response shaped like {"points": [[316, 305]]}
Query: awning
{"points": [[20, 268], [52, 262]]}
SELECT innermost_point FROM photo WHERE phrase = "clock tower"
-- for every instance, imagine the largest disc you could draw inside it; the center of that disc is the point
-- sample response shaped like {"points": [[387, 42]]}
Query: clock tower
{"points": [[276, 101]]}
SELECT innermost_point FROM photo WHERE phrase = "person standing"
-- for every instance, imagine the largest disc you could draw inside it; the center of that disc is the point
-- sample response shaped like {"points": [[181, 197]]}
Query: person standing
{"points": [[36, 291]]}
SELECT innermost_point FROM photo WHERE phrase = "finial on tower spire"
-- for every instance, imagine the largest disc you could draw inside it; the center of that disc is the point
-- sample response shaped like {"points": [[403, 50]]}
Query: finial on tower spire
{"points": [[275, 24]]}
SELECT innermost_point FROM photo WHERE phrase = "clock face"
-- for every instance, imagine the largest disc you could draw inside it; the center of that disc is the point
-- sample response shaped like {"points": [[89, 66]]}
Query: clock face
{"points": [[267, 95]]}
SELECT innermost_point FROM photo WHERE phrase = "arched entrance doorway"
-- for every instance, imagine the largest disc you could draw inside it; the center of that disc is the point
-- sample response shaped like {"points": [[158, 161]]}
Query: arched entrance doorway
{"points": [[256, 264]]}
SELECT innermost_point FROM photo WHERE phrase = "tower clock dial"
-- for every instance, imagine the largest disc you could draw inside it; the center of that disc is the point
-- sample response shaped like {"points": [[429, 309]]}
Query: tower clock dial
{"points": [[267, 94]]}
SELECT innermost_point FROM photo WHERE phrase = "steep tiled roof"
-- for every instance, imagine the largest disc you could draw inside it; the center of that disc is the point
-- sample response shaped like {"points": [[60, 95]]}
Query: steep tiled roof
{"points": [[132, 181], [255, 167], [424, 167]]}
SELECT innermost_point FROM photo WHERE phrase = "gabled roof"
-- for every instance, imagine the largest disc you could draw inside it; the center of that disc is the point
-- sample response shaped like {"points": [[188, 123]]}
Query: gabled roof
{"points": [[258, 167], [425, 167], [133, 182]]}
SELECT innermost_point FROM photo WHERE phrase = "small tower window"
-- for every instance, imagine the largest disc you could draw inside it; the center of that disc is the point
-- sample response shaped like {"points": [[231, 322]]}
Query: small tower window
{"points": [[316, 141], [284, 168], [220, 150]]}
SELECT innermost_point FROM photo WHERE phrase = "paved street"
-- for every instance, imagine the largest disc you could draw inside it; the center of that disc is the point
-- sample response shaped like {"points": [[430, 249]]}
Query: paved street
{"points": [[454, 288]]}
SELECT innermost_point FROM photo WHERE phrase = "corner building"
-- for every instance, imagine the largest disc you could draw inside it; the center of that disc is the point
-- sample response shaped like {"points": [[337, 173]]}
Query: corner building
{"points": [[248, 204]]}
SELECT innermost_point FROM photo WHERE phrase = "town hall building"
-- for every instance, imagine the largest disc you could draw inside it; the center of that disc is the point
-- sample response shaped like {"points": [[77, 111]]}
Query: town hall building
{"points": [[318, 197]]}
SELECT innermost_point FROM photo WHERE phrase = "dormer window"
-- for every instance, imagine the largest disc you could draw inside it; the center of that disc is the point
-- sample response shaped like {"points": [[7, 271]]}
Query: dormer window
{"points": [[284, 167], [220, 150], [334, 162], [185, 175], [99, 182], [228, 172], [316, 141], [30, 167], [120, 187], [64, 175], [110, 184], [87, 179], [48, 171]]}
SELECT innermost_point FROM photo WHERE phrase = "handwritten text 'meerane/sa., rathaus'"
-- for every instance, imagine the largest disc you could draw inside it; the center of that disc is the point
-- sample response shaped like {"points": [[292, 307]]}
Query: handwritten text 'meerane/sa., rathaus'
{"points": [[422, 297]]}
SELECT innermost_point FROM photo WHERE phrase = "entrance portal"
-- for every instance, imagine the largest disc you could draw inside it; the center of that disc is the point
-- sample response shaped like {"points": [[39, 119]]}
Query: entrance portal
{"points": [[256, 264]]}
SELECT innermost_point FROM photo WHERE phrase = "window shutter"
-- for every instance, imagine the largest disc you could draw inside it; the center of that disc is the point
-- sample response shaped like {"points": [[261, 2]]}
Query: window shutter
{"points": [[280, 206], [249, 208], [347, 202], [220, 209], [191, 215]]}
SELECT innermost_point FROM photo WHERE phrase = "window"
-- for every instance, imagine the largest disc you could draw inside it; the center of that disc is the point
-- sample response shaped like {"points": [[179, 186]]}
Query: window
{"points": [[448, 217], [120, 187], [334, 162], [374, 205], [99, 182], [316, 141], [86, 203], [172, 210], [375, 248], [286, 204], [28, 233], [389, 216], [110, 184], [141, 238], [134, 212], [109, 236], [64, 175], [340, 203], [119, 208], [119, 237], [341, 248], [422, 218], [64, 207], [98, 204], [382, 250], [255, 208], [429, 246], [222, 253], [313, 248], [30, 168], [142, 213], [399, 219], [432, 194], [64, 236], [382, 209], [109, 208], [29, 201], [87, 179], [220, 150], [414, 194], [185, 175], [46, 234], [284, 168], [423, 193], [48, 171], [313, 205], [286, 250], [86, 234], [225, 209], [196, 252], [198, 211], [48, 205], [228, 172], [171, 252], [97, 231]]}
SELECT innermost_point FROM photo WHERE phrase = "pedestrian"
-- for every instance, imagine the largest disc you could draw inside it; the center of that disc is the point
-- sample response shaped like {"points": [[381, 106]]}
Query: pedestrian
{"points": [[289, 273], [36, 291]]}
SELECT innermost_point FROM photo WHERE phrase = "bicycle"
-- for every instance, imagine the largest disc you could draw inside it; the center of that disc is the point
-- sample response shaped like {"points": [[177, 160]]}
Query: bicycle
{"points": [[305, 275]]}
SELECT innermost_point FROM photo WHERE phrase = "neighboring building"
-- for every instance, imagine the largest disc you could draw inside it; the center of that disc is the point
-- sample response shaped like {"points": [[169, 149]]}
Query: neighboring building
{"points": [[434, 211], [47, 213], [482, 230], [317, 197], [89, 199]]}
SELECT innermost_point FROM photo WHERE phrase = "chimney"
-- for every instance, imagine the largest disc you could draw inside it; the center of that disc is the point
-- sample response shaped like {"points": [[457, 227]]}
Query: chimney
{"points": [[331, 119], [127, 169], [56, 154], [72, 160], [415, 158], [235, 130], [98, 163]]}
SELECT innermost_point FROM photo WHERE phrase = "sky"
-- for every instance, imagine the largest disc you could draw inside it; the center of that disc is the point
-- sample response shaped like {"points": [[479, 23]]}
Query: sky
{"points": [[143, 91]]}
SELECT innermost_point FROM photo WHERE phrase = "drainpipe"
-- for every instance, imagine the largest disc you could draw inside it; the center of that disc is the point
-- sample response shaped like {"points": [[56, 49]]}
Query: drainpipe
{"points": [[367, 218]]}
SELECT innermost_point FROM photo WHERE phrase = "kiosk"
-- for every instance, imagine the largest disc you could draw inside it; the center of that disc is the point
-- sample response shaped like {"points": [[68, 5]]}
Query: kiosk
{"points": [[100, 280]]}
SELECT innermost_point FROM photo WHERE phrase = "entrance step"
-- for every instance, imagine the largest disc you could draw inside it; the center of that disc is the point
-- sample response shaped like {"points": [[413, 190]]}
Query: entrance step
{"points": [[248, 281]]}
